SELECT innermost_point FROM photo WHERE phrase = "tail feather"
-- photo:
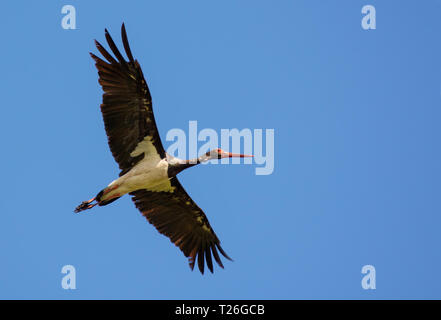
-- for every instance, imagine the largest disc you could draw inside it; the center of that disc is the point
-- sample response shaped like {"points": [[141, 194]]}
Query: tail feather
{"points": [[85, 205], [99, 195]]}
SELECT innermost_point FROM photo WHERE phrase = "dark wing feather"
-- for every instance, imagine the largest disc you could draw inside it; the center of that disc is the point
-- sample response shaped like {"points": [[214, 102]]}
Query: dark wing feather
{"points": [[127, 104], [175, 215]]}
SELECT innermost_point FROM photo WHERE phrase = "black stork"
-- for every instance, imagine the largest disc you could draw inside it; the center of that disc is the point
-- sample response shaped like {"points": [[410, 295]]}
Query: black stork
{"points": [[148, 173]]}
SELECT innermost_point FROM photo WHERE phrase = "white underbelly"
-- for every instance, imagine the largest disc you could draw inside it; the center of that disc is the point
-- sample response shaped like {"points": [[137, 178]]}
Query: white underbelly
{"points": [[145, 180], [145, 175]]}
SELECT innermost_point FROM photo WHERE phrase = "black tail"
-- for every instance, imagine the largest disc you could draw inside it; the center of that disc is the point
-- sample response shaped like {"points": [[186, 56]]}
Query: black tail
{"points": [[85, 205], [105, 202]]}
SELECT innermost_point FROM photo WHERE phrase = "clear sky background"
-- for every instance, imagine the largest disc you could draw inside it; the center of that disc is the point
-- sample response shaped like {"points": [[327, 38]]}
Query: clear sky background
{"points": [[357, 176]]}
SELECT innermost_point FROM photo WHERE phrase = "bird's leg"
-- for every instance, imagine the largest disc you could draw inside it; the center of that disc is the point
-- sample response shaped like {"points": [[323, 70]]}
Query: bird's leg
{"points": [[90, 206], [89, 201]]}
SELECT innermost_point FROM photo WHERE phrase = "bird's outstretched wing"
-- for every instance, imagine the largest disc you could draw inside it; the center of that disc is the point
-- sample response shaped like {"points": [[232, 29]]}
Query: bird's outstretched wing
{"points": [[176, 216], [127, 105]]}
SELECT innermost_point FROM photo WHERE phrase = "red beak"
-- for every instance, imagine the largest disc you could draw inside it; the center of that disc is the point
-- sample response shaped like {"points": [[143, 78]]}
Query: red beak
{"points": [[238, 155]]}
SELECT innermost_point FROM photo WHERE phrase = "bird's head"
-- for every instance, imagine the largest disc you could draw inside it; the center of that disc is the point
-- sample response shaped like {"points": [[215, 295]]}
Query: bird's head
{"points": [[219, 154]]}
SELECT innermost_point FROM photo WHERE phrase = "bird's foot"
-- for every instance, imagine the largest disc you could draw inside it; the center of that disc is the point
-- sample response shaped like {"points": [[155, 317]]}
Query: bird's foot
{"points": [[85, 205]]}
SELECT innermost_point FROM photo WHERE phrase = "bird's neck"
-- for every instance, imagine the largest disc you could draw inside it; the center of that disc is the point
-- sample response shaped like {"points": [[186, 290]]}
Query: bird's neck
{"points": [[175, 168]]}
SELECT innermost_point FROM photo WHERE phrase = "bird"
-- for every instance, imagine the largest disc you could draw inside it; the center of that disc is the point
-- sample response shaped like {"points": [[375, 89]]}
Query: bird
{"points": [[148, 173]]}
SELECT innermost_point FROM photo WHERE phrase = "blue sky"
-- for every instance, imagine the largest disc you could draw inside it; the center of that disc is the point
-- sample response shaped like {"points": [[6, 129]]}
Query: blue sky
{"points": [[357, 173]]}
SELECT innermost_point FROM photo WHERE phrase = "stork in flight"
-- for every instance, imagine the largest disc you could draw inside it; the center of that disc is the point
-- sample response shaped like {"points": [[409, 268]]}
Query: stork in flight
{"points": [[148, 173]]}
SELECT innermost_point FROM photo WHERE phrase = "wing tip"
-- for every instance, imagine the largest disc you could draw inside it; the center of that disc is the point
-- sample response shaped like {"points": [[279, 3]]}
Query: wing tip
{"points": [[94, 57], [201, 260], [191, 263], [223, 252], [115, 49], [126, 43]]}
